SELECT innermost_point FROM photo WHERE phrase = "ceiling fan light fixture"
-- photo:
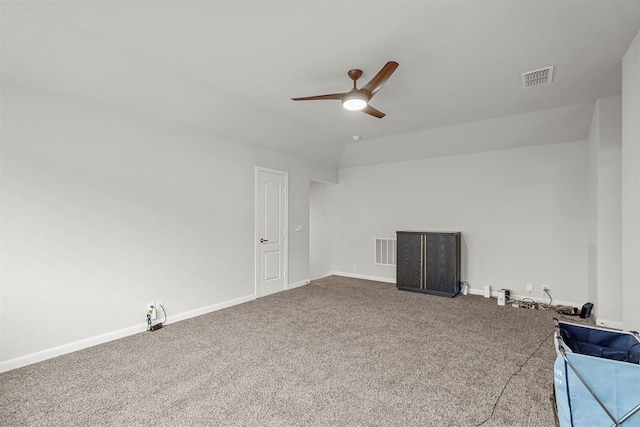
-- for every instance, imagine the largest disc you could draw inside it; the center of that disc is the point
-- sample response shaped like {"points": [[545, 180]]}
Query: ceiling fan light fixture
{"points": [[358, 99], [354, 101]]}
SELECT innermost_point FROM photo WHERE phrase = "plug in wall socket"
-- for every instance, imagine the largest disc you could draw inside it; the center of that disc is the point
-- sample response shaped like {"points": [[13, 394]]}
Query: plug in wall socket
{"points": [[151, 309], [545, 288]]}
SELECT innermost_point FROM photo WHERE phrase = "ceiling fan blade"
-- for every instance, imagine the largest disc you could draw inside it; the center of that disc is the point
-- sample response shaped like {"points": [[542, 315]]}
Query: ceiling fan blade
{"points": [[380, 79], [315, 98], [373, 112]]}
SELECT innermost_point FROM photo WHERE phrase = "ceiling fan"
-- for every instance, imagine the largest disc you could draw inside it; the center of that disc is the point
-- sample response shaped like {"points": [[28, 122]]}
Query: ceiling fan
{"points": [[358, 99]]}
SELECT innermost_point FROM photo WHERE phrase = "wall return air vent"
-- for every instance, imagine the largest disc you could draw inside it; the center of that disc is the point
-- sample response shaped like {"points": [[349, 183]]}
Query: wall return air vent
{"points": [[386, 251], [540, 77]]}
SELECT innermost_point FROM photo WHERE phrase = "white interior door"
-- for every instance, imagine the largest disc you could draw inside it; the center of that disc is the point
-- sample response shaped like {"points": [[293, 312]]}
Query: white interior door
{"points": [[271, 231]]}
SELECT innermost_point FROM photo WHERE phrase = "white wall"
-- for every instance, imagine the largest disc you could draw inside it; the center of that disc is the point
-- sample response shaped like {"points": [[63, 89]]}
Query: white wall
{"points": [[631, 186], [104, 211], [540, 127], [605, 232], [523, 214], [592, 251]]}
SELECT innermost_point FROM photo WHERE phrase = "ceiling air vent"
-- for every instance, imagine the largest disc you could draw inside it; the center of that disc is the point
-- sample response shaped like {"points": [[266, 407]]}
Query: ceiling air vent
{"points": [[539, 77]]}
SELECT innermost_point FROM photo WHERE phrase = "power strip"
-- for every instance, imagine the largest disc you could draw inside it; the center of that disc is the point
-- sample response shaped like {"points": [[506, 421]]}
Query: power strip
{"points": [[532, 305]]}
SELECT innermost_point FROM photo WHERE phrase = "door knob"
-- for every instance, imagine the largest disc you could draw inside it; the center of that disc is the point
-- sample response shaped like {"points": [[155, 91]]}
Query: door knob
{"points": [[263, 240]]}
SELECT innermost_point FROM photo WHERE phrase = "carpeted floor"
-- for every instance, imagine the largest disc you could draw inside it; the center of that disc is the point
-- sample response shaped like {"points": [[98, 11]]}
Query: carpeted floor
{"points": [[337, 352]]}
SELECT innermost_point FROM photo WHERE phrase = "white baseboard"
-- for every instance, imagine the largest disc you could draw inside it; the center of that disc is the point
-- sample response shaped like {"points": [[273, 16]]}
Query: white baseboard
{"points": [[298, 284], [209, 309], [494, 294], [39, 356], [50, 353], [331, 273], [609, 324], [362, 276]]}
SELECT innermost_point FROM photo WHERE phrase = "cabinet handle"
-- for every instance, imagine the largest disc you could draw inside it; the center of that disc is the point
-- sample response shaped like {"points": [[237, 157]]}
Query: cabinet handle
{"points": [[423, 274], [263, 240]]}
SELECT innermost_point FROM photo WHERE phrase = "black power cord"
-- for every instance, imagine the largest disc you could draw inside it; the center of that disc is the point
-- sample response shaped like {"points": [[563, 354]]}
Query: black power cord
{"points": [[495, 405]]}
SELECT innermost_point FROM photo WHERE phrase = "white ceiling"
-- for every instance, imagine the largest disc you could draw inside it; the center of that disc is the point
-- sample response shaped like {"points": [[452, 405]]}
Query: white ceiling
{"points": [[230, 68]]}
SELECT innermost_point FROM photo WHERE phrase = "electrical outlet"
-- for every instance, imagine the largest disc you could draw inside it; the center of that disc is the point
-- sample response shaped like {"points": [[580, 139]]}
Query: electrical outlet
{"points": [[529, 287], [151, 309], [355, 267]]}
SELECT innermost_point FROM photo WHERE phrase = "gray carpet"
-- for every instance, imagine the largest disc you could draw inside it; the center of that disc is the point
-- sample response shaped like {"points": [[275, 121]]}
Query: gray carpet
{"points": [[337, 352]]}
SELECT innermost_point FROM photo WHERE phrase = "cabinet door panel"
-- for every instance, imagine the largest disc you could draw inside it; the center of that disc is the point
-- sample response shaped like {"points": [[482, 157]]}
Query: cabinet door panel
{"points": [[440, 262], [409, 262]]}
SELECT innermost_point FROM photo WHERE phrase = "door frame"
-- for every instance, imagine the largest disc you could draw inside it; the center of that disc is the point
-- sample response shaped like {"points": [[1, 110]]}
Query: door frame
{"points": [[285, 220]]}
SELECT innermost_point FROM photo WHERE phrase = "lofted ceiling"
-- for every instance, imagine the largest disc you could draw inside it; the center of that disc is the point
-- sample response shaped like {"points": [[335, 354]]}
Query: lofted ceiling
{"points": [[230, 68]]}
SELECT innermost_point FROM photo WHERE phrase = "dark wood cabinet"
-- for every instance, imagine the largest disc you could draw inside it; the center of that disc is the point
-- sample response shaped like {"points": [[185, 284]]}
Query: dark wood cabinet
{"points": [[428, 262]]}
